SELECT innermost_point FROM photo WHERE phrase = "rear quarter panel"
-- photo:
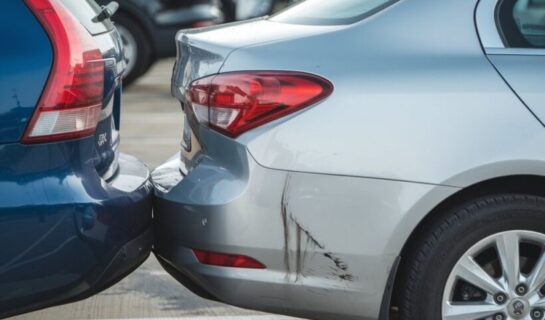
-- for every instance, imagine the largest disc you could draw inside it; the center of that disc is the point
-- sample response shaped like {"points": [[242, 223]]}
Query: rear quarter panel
{"points": [[426, 108], [525, 74], [415, 100]]}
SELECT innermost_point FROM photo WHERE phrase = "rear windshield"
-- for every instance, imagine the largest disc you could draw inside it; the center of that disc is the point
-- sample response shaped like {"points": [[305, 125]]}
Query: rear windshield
{"points": [[331, 12], [85, 11]]}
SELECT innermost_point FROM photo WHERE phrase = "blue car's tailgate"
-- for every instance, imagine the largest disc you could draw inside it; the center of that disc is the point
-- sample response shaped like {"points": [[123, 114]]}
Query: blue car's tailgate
{"points": [[107, 39], [26, 59]]}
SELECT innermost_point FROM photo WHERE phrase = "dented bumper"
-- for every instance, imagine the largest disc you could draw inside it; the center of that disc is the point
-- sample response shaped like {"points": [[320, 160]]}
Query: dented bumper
{"points": [[318, 265]]}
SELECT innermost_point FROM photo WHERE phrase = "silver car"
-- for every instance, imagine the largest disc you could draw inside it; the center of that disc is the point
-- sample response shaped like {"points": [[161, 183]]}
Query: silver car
{"points": [[355, 159]]}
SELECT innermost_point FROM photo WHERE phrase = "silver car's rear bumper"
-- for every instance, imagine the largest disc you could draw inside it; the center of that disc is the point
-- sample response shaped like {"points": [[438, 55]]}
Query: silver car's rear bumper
{"points": [[325, 256]]}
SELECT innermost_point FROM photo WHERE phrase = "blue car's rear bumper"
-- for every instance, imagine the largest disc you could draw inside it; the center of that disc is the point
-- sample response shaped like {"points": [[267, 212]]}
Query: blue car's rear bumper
{"points": [[65, 233]]}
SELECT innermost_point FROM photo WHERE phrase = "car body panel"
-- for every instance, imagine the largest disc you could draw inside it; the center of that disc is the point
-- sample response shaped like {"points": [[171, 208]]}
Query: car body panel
{"points": [[485, 21], [328, 197], [525, 74], [421, 73], [75, 215], [311, 270], [200, 57], [28, 49], [522, 68], [204, 51], [86, 11], [62, 225]]}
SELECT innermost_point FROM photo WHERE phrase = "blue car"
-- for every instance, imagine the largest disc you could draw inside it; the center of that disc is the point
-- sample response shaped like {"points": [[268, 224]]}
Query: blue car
{"points": [[75, 214]]}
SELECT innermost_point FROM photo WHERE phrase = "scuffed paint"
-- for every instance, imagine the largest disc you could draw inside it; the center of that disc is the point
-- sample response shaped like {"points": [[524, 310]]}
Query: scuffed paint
{"points": [[338, 262], [306, 244], [301, 253], [285, 224], [167, 176], [309, 236]]}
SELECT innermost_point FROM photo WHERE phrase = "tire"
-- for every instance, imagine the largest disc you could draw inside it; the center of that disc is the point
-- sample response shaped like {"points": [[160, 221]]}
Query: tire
{"points": [[430, 274], [229, 10], [138, 49]]}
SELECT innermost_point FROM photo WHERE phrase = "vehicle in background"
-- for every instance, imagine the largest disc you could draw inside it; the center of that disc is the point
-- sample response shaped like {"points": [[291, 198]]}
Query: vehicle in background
{"points": [[530, 18], [345, 159], [148, 28], [75, 214], [238, 10]]}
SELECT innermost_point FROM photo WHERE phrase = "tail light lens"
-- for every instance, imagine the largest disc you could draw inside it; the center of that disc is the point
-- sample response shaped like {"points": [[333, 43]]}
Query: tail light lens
{"points": [[227, 260], [203, 24], [234, 103], [70, 104]]}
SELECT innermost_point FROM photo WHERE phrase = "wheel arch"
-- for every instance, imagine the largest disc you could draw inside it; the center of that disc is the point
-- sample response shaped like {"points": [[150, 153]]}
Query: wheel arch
{"points": [[519, 184]]}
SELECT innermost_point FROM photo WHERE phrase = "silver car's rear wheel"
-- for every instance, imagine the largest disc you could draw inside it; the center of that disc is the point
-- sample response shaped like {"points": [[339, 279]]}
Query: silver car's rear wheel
{"points": [[481, 259], [501, 277]]}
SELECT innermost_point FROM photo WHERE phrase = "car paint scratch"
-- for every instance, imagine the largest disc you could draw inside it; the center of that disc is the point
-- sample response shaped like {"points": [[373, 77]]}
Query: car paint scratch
{"points": [[285, 224], [312, 245], [298, 266], [338, 262]]}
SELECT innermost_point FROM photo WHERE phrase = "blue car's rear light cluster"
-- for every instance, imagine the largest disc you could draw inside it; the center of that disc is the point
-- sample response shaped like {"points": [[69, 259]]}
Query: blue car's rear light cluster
{"points": [[72, 99]]}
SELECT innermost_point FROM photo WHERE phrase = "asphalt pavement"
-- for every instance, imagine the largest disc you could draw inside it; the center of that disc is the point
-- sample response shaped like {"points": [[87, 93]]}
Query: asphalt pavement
{"points": [[151, 127]]}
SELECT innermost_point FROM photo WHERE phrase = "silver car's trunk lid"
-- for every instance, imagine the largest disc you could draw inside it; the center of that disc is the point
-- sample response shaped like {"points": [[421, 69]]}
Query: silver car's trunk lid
{"points": [[203, 52]]}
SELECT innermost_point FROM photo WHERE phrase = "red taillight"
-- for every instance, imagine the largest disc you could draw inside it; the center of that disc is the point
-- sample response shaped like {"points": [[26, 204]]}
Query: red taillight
{"points": [[202, 24], [227, 260], [234, 103], [71, 101]]}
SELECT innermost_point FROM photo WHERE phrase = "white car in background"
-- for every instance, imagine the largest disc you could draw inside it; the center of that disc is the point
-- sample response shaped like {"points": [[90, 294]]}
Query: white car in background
{"points": [[247, 9]]}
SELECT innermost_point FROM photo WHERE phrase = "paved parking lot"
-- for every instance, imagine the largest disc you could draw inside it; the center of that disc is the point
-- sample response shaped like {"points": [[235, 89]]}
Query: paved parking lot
{"points": [[151, 130]]}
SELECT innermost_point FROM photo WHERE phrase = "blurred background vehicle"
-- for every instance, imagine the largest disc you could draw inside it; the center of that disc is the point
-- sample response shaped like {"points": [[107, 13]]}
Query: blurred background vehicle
{"points": [[237, 10], [530, 16], [148, 27]]}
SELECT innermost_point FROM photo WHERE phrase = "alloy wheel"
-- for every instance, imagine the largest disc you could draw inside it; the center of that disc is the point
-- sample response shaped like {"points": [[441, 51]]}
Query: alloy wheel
{"points": [[502, 277]]}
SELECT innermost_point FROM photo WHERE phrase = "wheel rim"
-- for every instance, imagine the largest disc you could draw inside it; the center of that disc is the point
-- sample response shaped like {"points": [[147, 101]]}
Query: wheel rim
{"points": [[499, 278], [129, 48]]}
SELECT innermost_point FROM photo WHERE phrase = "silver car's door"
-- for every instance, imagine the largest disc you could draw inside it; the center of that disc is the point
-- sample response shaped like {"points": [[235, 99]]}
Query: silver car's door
{"points": [[513, 35]]}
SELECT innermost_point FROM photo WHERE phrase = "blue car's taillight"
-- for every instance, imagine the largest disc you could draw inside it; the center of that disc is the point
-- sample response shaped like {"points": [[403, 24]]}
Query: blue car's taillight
{"points": [[72, 99]]}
